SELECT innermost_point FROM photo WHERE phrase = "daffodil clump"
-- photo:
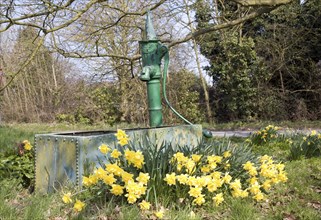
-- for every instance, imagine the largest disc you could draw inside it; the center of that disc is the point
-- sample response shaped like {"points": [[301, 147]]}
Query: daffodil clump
{"points": [[308, 146], [116, 175], [208, 179], [265, 135], [205, 175]]}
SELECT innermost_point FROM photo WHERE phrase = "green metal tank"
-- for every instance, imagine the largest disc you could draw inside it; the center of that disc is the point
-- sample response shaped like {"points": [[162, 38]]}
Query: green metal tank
{"points": [[63, 158]]}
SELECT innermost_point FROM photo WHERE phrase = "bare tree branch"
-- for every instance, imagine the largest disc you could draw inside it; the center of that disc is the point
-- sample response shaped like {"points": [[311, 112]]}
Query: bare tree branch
{"points": [[221, 26], [262, 2], [172, 43]]}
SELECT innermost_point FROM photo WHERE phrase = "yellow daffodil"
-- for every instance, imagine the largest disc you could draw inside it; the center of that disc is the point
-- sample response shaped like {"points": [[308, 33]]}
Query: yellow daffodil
{"points": [[227, 154], [214, 159], [115, 153], [100, 173], [117, 189], [135, 158], [27, 145], [205, 169], [199, 200], [182, 178], [143, 178], [190, 166], [131, 198], [248, 165], [144, 205], [259, 196], [127, 177], [216, 175], [170, 179], [104, 148], [109, 179], [266, 185], [114, 169], [123, 141], [212, 186], [282, 177], [195, 191], [89, 181], [236, 184], [244, 193], [122, 137], [254, 188], [179, 157], [67, 198], [236, 193], [227, 178], [218, 199], [196, 158], [313, 133], [252, 171], [159, 214], [79, 205]]}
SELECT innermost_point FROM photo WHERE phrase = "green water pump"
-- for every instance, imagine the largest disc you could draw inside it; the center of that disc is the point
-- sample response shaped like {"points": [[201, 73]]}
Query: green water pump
{"points": [[153, 52]]}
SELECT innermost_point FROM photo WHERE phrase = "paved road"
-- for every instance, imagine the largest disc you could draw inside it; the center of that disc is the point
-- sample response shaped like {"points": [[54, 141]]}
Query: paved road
{"points": [[240, 133]]}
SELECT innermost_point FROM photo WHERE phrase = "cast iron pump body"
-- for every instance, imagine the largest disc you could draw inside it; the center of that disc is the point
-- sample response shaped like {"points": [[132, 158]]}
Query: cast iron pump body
{"points": [[152, 52]]}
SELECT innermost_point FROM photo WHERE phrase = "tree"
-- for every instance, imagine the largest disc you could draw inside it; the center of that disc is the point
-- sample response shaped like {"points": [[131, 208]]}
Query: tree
{"points": [[34, 95], [234, 65], [289, 42], [53, 18]]}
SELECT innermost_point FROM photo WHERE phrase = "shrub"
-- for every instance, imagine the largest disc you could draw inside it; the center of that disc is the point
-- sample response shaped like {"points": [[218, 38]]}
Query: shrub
{"points": [[20, 165]]}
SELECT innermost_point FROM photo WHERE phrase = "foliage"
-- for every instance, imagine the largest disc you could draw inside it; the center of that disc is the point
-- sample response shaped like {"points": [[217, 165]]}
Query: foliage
{"points": [[309, 146], [288, 41], [267, 68], [184, 93], [20, 165], [61, 118], [234, 66], [236, 92], [106, 101]]}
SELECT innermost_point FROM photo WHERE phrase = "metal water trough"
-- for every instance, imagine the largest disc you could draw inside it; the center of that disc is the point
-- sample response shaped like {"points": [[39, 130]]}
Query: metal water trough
{"points": [[66, 157]]}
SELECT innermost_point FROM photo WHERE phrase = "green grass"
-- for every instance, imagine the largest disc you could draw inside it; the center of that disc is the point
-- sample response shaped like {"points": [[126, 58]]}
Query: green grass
{"points": [[299, 198]]}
